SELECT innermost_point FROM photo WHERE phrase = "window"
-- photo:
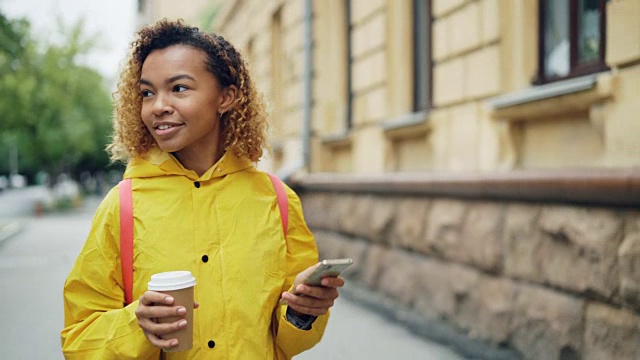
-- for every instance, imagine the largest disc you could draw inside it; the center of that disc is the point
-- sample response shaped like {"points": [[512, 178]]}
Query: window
{"points": [[331, 69], [572, 38], [422, 54]]}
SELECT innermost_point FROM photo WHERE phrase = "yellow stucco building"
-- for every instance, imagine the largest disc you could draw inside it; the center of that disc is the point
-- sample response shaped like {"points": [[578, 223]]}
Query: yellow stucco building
{"points": [[479, 159], [478, 104]]}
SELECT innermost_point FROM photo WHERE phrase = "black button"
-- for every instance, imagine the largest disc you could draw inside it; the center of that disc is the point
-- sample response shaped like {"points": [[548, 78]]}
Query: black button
{"points": [[196, 184], [205, 258], [211, 344]]}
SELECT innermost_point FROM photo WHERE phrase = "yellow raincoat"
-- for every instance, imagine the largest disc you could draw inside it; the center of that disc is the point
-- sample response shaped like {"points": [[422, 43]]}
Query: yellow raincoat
{"points": [[224, 227]]}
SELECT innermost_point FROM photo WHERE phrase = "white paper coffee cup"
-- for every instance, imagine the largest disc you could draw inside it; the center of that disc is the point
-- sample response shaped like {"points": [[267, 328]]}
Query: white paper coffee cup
{"points": [[178, 284]]}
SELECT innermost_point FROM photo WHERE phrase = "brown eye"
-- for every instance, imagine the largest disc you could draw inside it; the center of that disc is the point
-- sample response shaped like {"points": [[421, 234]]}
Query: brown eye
{"points": [[180, 88]]}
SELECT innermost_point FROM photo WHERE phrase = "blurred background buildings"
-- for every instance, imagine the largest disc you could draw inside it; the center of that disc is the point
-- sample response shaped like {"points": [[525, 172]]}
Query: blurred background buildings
{"points": [[477, 158]]}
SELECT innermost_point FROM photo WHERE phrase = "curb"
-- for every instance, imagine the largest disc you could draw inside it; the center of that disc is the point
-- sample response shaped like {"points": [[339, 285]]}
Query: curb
{"points": [[9, 230], [432, 329]]}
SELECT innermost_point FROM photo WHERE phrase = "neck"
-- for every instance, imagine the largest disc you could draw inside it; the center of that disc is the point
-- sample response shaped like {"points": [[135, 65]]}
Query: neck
{"points": [[199, 162]]}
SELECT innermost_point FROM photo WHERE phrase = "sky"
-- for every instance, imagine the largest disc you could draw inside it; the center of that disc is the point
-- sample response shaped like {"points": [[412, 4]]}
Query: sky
{"points": [[112, 21]]}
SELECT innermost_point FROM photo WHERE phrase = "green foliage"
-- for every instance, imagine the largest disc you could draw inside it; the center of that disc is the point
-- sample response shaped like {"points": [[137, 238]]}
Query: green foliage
{"points": [[53, 109], [208, 17]]}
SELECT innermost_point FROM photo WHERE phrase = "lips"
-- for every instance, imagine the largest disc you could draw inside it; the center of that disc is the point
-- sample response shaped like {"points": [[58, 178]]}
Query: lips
{"points": [[166, 128]]}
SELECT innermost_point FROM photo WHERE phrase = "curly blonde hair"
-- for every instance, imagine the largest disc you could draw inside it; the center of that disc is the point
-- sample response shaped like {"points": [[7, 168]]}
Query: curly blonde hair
{"points": [[243, 127]]}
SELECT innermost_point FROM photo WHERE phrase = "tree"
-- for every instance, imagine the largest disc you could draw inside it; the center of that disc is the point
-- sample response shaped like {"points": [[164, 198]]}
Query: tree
{"points": [[53, 109]]}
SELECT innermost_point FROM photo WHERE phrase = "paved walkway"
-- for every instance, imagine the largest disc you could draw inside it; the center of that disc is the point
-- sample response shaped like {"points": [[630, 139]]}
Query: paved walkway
{"points": [[355, 332]]}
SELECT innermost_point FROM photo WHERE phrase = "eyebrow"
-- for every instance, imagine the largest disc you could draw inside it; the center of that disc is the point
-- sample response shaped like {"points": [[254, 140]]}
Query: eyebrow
{"points": [[170, 80]]}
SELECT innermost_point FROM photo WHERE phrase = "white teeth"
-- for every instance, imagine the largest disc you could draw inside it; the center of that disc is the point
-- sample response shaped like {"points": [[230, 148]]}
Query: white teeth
{"points": [[164, 127]]}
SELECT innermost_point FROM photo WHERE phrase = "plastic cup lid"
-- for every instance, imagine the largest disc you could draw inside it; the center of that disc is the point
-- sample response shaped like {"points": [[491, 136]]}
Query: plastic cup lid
{"points": [[172, 280]]}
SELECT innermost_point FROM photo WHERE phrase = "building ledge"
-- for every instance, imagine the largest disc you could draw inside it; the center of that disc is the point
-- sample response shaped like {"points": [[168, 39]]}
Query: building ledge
{"points": [[606, 187], [410, 124], [337, 140], [558, 98]]}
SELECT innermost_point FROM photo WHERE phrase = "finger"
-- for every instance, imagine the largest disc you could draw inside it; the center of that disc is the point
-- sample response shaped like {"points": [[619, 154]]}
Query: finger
{"points": [[147, 325], [196, 305], [161, 343], [308, 310], [307, 302], [318, 292], [332, 281], [153, 297], [159, 311], [161, 328]]}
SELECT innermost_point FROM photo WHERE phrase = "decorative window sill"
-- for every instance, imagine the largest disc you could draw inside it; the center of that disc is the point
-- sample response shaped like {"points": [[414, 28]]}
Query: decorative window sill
{"points": [[337, 141], [562, 97], [411, 124]]}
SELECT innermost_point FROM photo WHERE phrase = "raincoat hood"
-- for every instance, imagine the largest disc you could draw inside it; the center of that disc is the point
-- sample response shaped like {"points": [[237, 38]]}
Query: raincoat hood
{"points": [[159, 163]]}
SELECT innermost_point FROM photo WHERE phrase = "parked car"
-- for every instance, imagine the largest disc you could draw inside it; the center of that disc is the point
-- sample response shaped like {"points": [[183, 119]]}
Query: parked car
{"points": [[66, 192], [17, 181]]}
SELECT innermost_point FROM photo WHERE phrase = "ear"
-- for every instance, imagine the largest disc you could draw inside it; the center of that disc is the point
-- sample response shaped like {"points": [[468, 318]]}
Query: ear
{"points": [[227, 98]]}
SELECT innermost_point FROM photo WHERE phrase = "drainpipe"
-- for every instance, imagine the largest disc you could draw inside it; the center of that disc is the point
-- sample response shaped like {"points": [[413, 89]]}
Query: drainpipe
{"points": [[307, 83]]}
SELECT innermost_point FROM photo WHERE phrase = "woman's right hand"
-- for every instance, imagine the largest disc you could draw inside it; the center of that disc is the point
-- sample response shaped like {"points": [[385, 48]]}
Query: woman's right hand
{"points": [[153, 306]]}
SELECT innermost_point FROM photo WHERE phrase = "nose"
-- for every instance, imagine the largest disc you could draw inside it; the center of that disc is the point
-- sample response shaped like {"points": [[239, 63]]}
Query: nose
{"points": [[161, 105]]}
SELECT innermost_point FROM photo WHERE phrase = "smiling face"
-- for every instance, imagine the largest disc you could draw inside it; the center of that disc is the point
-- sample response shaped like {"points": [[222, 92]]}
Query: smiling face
{"points": [[181, 103]]}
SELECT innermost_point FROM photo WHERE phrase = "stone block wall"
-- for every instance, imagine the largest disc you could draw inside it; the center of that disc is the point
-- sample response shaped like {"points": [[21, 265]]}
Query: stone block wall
{"points": [[547, 280]]}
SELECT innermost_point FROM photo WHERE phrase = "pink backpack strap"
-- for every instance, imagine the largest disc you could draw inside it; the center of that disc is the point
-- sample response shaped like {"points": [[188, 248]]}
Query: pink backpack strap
{"points": [[126, 238], [283, 201]]}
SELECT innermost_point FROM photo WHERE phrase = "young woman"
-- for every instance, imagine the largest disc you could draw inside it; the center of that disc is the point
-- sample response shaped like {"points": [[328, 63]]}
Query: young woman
{"points": [[190, 124]]}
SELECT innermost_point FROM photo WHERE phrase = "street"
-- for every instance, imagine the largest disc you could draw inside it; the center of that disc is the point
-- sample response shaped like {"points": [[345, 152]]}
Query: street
{"points": [[35, 262]]}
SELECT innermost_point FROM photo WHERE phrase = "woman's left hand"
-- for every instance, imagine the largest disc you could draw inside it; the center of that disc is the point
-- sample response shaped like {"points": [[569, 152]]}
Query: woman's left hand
{"points": [[314, 300]]}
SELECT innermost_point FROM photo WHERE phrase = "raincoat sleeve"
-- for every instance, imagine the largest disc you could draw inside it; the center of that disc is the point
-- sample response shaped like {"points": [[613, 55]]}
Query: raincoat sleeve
{"points": [[302, 252], [96, 325]]}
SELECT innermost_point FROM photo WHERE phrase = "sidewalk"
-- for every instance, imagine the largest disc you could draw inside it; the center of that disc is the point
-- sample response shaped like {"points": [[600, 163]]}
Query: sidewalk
{"points": [[357, 332], [8, 229], [17, 209]]}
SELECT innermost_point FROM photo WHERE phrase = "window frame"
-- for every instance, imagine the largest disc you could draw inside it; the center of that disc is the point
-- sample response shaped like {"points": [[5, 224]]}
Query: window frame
{"points": [[576, 69]]}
